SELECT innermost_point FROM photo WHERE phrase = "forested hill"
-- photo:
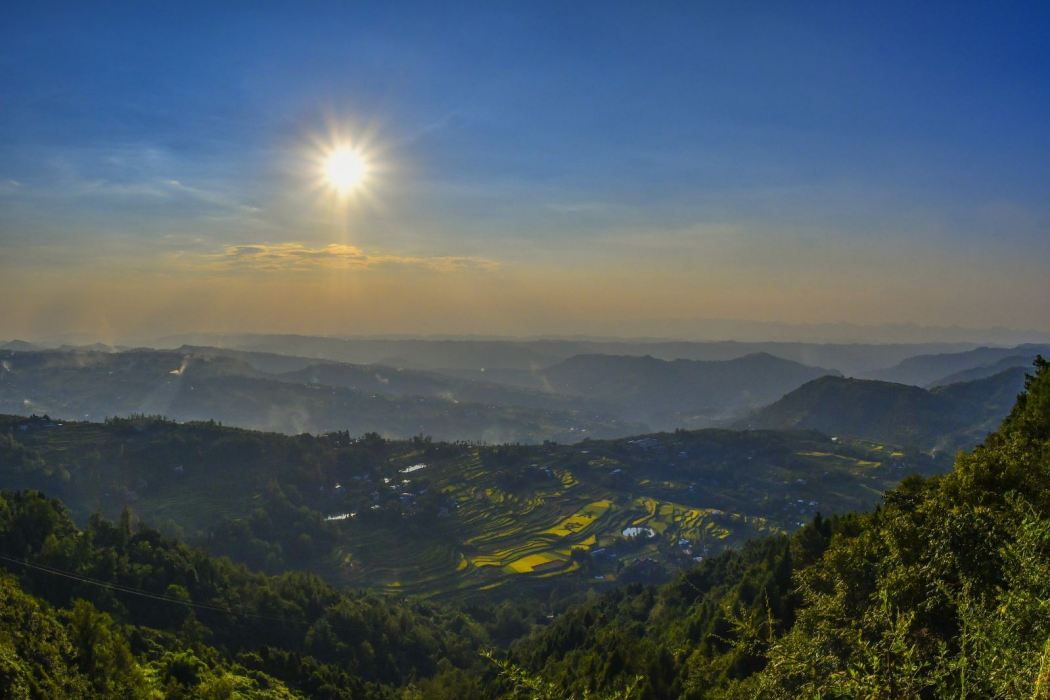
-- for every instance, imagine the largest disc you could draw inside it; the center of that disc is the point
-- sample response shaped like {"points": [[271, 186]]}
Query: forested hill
{"points": [[945, 418], [118, 611]]}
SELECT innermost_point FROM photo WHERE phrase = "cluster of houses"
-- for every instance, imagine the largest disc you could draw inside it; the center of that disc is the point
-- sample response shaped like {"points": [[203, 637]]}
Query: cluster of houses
{"points": [[646, 443], [804, 508], [407, 494], [35, 422]]}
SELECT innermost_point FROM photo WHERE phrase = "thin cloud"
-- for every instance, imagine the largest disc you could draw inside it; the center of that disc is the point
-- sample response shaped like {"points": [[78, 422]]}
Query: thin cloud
{"points": [[584, 207], [297, 257]]}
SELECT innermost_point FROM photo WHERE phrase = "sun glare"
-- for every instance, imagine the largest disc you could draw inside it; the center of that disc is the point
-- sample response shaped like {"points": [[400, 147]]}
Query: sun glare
{"points": [[344, 169]]}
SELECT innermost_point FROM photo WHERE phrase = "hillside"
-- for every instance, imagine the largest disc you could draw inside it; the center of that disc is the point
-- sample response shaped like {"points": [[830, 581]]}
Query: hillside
{"points": [[202, 386], [383, 379], [451, 520], [395, 381], [942, 419]]}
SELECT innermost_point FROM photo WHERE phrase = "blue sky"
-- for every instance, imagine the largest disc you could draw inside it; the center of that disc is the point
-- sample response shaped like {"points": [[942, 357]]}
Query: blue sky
{"points": [[810, 162]]}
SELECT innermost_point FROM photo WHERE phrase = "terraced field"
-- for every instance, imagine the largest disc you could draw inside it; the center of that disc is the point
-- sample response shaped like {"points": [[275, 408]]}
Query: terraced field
{"points": [[453, 520], [595, 512]]}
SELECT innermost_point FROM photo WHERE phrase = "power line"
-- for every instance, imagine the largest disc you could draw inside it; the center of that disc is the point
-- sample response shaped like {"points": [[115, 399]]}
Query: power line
{"points": [[120, 588]]}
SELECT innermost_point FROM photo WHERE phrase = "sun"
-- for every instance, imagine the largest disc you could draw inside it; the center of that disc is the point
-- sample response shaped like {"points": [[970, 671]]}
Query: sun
{"points": [[345, 168]]}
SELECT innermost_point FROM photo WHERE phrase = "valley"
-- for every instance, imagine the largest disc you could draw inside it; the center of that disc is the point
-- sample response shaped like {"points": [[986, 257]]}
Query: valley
{"points": [[453, 520]]}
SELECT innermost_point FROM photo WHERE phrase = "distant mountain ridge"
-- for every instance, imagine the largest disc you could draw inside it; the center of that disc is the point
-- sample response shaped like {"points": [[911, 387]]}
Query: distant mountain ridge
{"points": [[18, 345], [969, 375], [474, 354], [945, 418], [925, 370]]}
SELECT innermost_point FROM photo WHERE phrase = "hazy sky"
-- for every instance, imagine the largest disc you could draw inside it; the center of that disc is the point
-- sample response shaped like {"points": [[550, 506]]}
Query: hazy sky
{"points": [[535, 168]]}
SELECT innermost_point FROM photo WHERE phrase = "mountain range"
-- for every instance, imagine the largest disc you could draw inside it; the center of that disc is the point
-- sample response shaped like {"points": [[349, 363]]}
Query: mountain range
{"points": [[590, 395], [200, 386], [472, 355]]}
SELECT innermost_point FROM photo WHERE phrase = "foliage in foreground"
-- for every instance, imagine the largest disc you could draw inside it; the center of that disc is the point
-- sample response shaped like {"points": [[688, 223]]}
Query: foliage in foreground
{"points": [[115, 611]]}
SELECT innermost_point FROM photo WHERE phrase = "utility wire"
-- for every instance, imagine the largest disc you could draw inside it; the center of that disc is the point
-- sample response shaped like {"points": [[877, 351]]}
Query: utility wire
{"points": [[120, 588]]}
